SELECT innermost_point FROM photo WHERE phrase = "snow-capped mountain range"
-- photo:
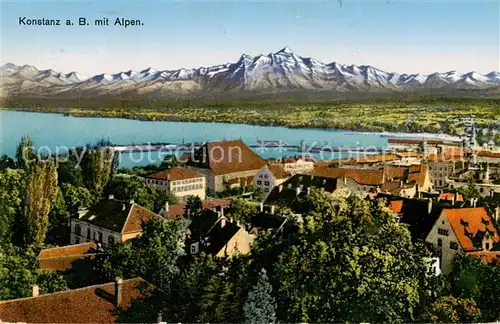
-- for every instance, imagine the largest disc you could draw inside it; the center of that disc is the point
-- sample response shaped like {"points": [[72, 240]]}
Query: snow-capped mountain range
{"points": [[280, 71]]}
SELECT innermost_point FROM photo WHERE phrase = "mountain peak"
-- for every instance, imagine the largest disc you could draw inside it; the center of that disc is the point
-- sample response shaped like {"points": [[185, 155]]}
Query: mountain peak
{"points": [[285, 50]]}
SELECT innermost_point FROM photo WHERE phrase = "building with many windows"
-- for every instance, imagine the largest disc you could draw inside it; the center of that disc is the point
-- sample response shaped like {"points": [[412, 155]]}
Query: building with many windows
{"points": [[270, 176], [180, 182], [109, 221]]}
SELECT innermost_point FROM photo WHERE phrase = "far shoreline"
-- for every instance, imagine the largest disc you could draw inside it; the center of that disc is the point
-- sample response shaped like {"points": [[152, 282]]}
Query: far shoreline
{"points": [[82, 113]]}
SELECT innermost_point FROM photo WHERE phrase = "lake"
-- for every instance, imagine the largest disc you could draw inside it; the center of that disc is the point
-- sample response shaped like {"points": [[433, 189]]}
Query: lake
{"points": [[56, 131]]}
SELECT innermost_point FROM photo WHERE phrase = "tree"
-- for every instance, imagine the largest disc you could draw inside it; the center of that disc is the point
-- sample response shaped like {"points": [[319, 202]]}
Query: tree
{"points": [[242, 210], [11, 188], [19, 272], [7, 163], [194, 207], [76, 197], [471, 278], [170, 161], [448, 309], [349, 261], [470, 191], [260, 306], [97, 166], [40, 191], [25, 154]]}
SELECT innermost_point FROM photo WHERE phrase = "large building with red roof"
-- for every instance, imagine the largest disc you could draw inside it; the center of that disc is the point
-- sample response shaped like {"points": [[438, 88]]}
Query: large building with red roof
{"points": [[181, 182], [463, 230]]}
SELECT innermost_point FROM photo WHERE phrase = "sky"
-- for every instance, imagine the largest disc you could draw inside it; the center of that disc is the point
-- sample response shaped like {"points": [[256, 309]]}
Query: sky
{"points": [[395, 36]]}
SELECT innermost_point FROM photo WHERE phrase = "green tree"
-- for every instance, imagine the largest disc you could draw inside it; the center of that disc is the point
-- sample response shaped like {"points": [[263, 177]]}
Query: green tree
{"points": [[57, 233], [471, 278], [194, 207], [260, 306], [97, 166], [349, 261], [6, 163], [76, 197], [242, 210], [40, 191], [169, 161], [25, 154], [448, 309], [11, 189], [470, 191]]}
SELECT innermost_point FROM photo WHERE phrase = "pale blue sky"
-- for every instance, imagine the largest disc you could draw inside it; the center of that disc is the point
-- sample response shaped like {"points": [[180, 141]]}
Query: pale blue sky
{"points": [[402, 36]]}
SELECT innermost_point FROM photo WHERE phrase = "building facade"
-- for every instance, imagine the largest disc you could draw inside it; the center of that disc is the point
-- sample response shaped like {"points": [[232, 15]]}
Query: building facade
{"points": [[180, 182]]}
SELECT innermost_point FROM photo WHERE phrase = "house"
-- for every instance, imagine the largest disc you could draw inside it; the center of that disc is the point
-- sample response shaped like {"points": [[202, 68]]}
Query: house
{"points": [[61, 258], [441, 167], [486, 256], [218, 236], [288, 193], [462, 230], [109, 221], [451, 197], [270, 176], [295, 164], [176, 211], [419, 214], [355, 181], [220, 162], [94, 304], [180, 182]]}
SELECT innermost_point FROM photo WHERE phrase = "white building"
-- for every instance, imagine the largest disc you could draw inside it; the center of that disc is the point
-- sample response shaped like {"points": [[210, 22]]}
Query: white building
{"points": [[180, 182], [270, 176], [109, 221]]}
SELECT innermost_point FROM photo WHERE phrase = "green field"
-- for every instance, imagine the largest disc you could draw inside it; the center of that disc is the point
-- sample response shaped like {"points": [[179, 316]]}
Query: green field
{"points": [[438, 115]]}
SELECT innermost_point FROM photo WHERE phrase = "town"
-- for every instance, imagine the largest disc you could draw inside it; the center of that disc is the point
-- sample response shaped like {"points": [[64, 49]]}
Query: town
{"points": [[220, 234]]}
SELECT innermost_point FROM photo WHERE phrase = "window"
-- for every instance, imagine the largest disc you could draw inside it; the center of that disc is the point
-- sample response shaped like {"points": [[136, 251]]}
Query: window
{"points": [[259, 182], [265, 176], [440, 242], [266, 189], [77, 240], [481, 190], [442, 232], [100, 237], [78, 230], [487, 246], [111, 240], [454, 245], [260, 175], [88, 232], [266, 183]]}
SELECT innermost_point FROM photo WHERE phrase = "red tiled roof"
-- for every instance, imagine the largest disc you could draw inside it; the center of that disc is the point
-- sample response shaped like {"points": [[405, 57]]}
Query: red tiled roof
{"points": [[177, 211], [361, 176], [174, 174], [396, 206], [486, 256], [278, 171], [227, 157], [449, 196], [474, 218], [137, 215], [488, 154], [61, 258], [84, 305]]}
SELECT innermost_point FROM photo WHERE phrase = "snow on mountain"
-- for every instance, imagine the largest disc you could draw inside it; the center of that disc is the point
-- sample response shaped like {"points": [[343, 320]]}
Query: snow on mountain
{"points": [[282, 70]]}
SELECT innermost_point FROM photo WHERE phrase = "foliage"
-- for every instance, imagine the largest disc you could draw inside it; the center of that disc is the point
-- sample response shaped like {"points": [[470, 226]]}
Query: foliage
{"points": [[11, 189], [59, 216], [471, 278], [40, 191], [470, 191], [260, 306], [169, 161], [19, 273], [25, 154], [350, 261], [98, 164], [7, 163], [76, 197], [448, 309], [242, 211], [194, 207], [132, 188]]}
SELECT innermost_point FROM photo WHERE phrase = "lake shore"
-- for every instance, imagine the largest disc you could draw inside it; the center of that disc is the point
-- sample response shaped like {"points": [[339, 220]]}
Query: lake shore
{"points": [[162, 117]]}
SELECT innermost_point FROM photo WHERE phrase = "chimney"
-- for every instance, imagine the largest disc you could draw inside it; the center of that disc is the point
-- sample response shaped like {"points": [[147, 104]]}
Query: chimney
{"points": [[123, 206], [166, 207], [159, 319], [308, 190], [261, 207], [222, 211], [453, 199], [401, 183], [475, 202], [272, 209], [429, 206], [497, 214], [111, 197], [131, 201], [118, 291], [168, 177], [222, 222], [297, 191], [36, 291], [280, 188]]}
